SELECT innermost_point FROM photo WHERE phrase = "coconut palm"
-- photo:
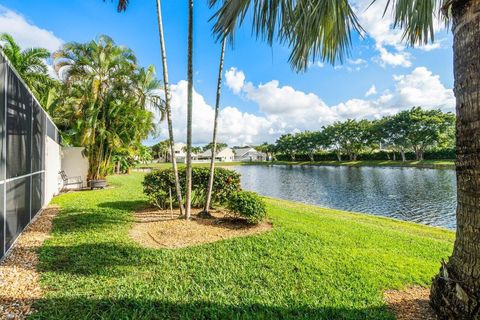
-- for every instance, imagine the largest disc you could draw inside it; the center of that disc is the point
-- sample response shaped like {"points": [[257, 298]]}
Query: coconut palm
{"points": [[208, 197], [322, 29], [29, 63], [188, 178]]}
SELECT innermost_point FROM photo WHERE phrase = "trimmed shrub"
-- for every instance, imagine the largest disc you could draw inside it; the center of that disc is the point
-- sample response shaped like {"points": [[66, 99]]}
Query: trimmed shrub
{"points": [[247, 205], [156, 186]]}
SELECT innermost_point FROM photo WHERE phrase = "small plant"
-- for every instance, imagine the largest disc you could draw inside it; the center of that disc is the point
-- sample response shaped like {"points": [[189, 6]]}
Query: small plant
{"points": [[158, 185], [247, 205]]}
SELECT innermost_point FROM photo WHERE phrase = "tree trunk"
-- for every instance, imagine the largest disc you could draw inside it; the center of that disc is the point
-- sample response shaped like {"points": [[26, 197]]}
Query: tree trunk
{"points": [[208, 198], [168, 110], [394, 156], [188, 193], [455, 292], [339, 156], [402, 152]]}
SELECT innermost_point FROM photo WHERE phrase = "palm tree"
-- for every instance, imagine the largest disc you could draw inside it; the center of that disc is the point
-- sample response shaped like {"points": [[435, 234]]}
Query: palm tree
{"points": [[107, 94], [322, 29], [208, 197], [188, 177], [122, 6], [29, 63]]}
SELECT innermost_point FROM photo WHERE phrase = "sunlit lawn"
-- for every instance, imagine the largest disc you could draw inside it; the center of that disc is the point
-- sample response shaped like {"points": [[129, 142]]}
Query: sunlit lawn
{"points": [[315, 264]]}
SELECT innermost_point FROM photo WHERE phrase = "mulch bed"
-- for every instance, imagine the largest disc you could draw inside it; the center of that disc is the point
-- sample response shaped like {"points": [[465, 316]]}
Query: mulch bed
{"points": [[164, 229], [410, 304], [19, 286]]}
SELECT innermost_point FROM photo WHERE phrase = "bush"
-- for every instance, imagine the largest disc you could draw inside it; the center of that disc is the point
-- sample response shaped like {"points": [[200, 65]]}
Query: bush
{"points": [[156, 186], [247, 205]]}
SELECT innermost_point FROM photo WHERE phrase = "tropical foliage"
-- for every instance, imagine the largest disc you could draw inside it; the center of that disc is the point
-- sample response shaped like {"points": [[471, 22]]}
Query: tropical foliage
{"points": [[107, 100], [31, 65], [158, 186]]}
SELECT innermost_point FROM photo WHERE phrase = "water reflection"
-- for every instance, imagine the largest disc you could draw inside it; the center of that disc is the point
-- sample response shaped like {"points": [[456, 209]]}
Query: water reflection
{"points": [[420, 195]]}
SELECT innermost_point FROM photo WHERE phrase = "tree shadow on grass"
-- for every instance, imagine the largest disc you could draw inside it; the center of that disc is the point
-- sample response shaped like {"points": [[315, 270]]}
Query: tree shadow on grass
{"points": [[93, 258], [125, 205], [145, 308]]}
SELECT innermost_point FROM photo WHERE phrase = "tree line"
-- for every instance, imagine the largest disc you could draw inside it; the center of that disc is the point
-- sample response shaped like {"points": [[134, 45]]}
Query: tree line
{"points": [[415, 130]]}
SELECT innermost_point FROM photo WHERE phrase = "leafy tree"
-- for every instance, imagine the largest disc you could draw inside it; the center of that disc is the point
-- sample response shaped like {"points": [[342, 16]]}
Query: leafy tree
{"points": [[220, 146], [104, 91], [425, 128], [287, 144], [162, 150], [322, 29], [30, 64], [269, 149]]}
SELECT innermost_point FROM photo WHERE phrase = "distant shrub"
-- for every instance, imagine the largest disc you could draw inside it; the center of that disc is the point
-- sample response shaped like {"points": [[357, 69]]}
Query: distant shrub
{"points": [[156, 186], [247, 205]]}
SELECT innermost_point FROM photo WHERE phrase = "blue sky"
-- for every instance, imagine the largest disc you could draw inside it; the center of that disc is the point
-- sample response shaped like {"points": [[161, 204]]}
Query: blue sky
{"points": [[262, 96]]}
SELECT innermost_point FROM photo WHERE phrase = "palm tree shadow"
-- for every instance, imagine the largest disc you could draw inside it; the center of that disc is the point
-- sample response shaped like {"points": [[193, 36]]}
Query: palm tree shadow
{"points": [[146, 308]]}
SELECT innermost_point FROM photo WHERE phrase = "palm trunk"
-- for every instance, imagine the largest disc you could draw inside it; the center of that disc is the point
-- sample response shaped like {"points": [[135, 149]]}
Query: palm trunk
{"points": [[188, 193], [208, 198], [455, 291], [168, 109]]}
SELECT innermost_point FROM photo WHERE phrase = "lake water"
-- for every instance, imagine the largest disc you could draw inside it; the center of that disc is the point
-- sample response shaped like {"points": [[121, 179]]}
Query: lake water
{"points": [[426, 196]]}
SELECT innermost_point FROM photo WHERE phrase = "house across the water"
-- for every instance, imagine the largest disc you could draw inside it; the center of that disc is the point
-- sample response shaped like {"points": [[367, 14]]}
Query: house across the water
{"points": [[224, 155], [249, 154]]}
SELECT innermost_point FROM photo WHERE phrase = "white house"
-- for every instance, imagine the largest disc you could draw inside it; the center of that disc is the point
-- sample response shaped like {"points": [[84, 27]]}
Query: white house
{"points": [[224, 155], [249, 154], [180, 154]]}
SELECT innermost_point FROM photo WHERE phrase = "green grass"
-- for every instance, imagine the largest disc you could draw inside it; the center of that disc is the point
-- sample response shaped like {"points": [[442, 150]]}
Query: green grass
{"points": [[315, 264], [433, 164]]}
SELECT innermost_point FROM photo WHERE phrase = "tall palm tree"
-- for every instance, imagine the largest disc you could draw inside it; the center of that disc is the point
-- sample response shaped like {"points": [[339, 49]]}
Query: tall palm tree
{"points": [[107, 97], [208, 197], [29, 63], [322, 29], [122, 6], [188, 178]]}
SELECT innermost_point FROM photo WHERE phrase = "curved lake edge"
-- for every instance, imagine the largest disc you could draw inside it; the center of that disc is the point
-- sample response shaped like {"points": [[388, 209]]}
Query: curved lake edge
{"points": [[357, 216], [420, 195], [425, 164]]}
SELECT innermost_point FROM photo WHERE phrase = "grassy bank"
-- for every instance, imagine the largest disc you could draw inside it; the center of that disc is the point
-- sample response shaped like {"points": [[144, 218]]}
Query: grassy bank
{"points": [[315, 264], [431, 164]]}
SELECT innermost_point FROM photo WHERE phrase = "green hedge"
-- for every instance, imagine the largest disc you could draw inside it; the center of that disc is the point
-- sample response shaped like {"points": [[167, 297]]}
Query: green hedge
{"points": [[441, 154], [157, 184]]}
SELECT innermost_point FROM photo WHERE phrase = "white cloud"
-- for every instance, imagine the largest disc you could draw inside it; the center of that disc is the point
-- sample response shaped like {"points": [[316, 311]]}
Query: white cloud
{"points": [[371, 91], [25, 33], [388, 41], [284, 109], [423, 88], [358, 61], [235, 79]]}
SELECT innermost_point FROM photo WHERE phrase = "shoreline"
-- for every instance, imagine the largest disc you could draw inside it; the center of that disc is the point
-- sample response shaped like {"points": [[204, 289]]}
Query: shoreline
{"points": [[425, 164]]}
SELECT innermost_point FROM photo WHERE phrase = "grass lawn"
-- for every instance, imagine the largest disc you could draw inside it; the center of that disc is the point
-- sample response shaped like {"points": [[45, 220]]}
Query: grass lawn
{"points": [[434, 164], [315, 264]]}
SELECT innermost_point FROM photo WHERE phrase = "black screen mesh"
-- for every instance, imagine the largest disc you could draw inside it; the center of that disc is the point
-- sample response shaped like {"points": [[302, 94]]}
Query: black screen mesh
{"points": [[38, 139], [19, 126], [17, 208], [23, 130], [38, 189]]}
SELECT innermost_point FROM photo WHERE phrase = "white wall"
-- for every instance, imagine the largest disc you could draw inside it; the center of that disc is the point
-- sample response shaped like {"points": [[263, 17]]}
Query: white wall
{"points": [[53, 182], [74, 163]]}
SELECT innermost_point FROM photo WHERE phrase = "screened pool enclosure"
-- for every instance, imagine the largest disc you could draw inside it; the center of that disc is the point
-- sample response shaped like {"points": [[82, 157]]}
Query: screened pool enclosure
{"points": [[25, 132]]}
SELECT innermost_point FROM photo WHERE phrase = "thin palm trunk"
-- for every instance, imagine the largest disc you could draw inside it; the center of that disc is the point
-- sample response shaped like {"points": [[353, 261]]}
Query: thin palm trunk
{"points": [[455, 291], [188, 193], [168, 110], [208, 198]]}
